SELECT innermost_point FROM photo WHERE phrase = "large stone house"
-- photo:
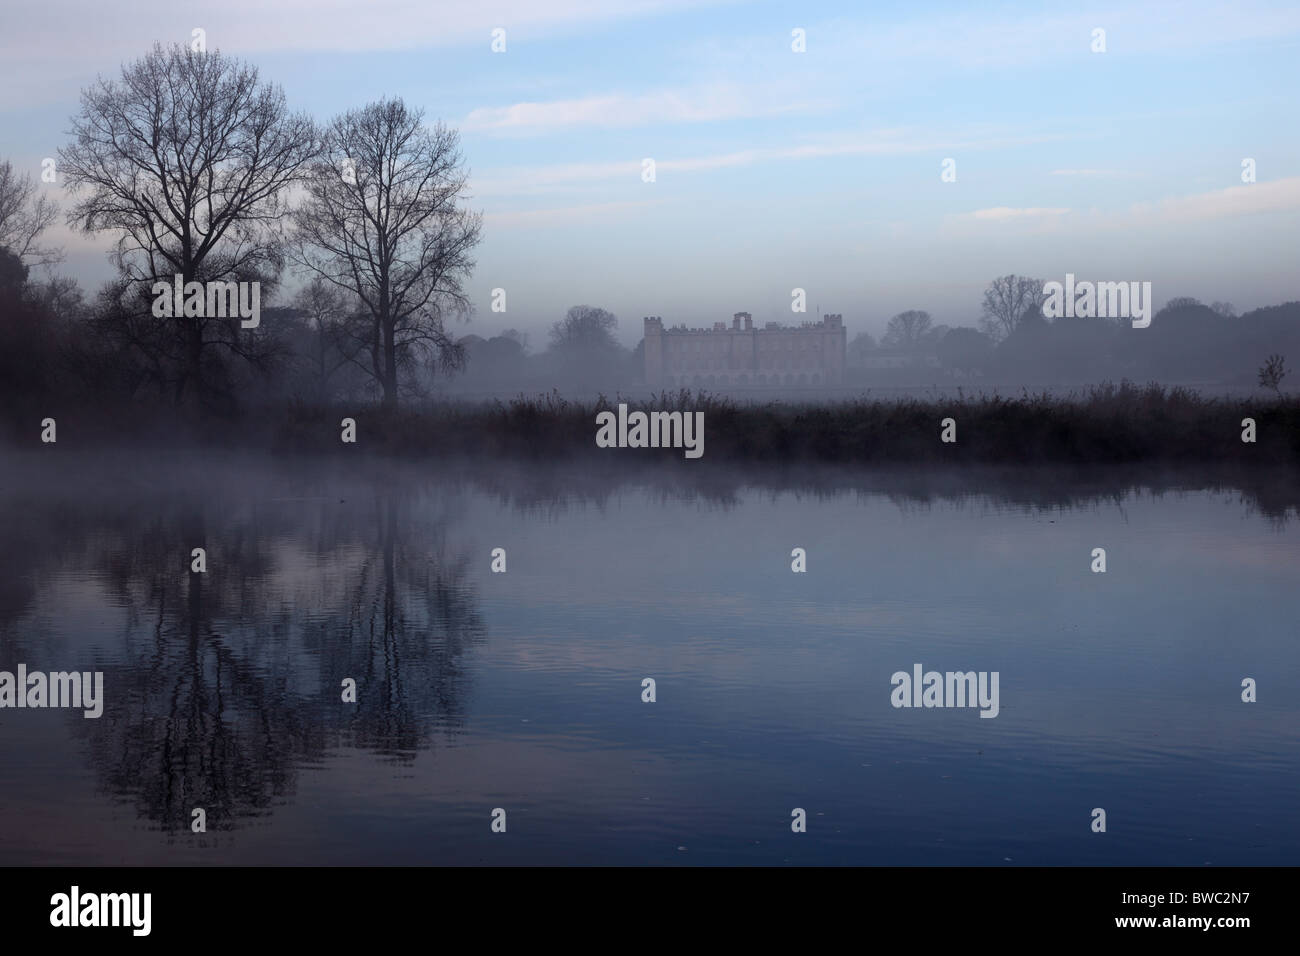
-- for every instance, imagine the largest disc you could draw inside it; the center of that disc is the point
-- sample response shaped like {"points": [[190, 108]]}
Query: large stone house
{"points": [[809, 354]]}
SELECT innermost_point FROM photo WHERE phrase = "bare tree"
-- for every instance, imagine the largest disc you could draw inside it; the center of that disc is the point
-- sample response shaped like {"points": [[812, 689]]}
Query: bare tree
{"points": [[24, 215], [906, 330], [1226, 309], [586, 328], [1006, 301], [189, 157], [383, 221], [1272, 372], [61, 296]]}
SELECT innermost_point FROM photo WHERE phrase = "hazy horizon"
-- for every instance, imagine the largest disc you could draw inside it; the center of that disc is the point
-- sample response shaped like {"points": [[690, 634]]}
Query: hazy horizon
{"points": [[775, 170]]}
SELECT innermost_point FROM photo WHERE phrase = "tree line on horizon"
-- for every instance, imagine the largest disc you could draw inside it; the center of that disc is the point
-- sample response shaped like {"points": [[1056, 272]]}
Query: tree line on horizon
{"points": [[1012, 340]]}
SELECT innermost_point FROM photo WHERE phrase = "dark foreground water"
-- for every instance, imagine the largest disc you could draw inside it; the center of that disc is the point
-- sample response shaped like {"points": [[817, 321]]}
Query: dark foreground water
{"points": [[522, 690]]}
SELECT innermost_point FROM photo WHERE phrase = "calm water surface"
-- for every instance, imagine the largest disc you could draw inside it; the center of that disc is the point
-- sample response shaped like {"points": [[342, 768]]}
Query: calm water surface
{"points": [[523, 690]]}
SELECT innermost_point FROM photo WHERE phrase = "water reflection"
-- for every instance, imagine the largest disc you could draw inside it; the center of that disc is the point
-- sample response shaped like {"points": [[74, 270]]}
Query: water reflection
{"points": [[224, 688], [224, 682]]}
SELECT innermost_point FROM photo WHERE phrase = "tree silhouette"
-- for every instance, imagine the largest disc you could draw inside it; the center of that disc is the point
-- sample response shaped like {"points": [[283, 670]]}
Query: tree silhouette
{"points": [[907, 330], [24, 215], [1006, 301], [188, 156], [1272, 372], [383, 221]]}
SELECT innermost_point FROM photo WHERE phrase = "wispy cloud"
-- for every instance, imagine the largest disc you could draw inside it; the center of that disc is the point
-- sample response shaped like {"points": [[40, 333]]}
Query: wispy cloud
{"points": [[566, 215], [535, 179], [988, 38], [1276, 196], [1090, 173], [1002, 213], [699, 105], [244, 26]]}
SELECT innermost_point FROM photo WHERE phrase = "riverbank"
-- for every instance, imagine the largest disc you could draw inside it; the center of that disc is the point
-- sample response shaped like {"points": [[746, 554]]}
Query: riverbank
{"points": [[1121, 424], [1111, 424]]}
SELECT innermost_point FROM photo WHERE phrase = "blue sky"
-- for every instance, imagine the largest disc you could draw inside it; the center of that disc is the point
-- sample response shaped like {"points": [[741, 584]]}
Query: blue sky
{"points": [[776, 170]]}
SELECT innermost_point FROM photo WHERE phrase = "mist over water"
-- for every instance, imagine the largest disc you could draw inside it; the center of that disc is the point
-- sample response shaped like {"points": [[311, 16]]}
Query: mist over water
{"points": [[522, 690]]}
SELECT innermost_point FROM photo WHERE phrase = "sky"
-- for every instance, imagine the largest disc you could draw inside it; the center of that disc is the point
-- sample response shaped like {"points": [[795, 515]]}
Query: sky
{"points": [[775, 170]]}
